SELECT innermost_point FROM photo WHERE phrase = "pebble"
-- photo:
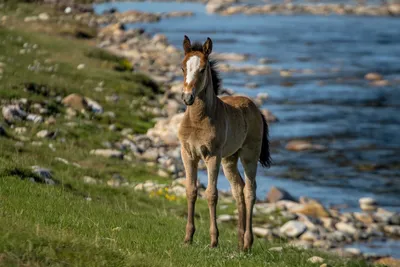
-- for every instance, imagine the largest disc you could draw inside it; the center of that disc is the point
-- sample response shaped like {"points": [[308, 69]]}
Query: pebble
{"points": [[80, 66], [108, 153], [315, 259], [278, 249], [225, 218], [89, 180]]}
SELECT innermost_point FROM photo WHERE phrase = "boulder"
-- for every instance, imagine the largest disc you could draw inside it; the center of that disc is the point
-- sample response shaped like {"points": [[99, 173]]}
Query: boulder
{"points": [[346, 228], [293, 229], [312, 208], [276, 194], [13, 113], [75, 101]]}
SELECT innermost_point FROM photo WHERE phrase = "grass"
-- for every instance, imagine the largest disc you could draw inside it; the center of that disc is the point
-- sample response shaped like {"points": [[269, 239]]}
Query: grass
{"points": [[76, 224]]}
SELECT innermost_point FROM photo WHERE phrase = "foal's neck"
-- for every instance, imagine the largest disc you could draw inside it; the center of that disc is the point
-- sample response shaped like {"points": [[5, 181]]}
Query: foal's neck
{"points": [[205, 103]]}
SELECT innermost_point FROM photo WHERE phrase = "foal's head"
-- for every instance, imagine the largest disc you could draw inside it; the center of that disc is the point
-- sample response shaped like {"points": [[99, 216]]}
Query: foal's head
{"points": [[195, 67]]}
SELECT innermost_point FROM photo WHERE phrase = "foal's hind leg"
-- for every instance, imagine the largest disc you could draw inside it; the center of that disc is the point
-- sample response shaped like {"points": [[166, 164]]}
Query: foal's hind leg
{"points": [[229, 165], [249, 158]]}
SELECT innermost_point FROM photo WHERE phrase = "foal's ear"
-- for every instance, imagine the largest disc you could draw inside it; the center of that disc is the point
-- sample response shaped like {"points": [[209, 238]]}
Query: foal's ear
{"points": [[207, 47], [187, 46]]}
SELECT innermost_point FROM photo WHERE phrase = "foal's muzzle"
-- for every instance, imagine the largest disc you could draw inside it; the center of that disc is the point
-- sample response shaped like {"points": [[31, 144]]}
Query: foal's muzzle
{"points": [[188, 98]]}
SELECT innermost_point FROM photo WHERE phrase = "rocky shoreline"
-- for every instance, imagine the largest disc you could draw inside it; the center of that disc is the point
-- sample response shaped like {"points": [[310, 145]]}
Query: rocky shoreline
{"points": [[228, 8]]}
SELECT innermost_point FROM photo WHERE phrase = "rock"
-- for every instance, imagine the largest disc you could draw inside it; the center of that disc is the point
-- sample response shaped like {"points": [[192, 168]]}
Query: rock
{"points": [[108, 153], [269, 116], [44, 175], [93, 105], [175, 14], [301, 244], [80, 66], [13, 113], [267, 60], [276, 194], [373, 76], [293, 229], [230, 57], [45, 134], [278, 249], [368, 208], [388, 261], [18, 130], [285, 73], [363, 217], [151, 154], [323, 265], [43, 16], [346, 227], [394, 220], [89, 180], [225, 218], [34, 118], [315, 259], [309, 236], [75, 102], [392, 229], [383, 215], [251, 85], [367, 201], [380, 83], [299, 145], [353, 251], [261, 232], [313, 209]]}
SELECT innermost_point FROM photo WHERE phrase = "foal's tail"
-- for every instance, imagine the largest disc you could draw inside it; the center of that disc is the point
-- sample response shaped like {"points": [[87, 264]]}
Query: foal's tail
{"points": [[265, 156]]}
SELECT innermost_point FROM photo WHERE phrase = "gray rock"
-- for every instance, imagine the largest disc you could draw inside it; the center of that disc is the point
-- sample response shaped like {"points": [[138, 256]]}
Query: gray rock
{"points": [[44, 175], [93, 105], [395, 219], [34, 118], [293, 229], [89, 180], [13, 113], [108, 153]]}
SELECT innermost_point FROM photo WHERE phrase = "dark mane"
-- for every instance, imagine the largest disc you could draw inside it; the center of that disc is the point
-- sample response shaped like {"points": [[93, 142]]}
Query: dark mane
{"points": [[216, 79]]}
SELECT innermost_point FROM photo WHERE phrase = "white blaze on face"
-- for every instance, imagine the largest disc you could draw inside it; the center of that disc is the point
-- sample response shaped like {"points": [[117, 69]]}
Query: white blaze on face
{"points": [[192, 65]]}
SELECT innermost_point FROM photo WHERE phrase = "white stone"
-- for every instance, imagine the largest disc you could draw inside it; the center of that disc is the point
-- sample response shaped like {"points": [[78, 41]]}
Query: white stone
{"points": [[315, 259], [293, 229]]}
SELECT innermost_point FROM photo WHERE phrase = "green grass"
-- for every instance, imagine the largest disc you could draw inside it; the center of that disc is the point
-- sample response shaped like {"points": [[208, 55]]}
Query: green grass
{"points": [[43, 225]]}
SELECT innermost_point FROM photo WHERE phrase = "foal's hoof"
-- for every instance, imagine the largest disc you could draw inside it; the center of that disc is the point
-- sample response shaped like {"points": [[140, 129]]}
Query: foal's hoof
{"points": [[187, 242], [213, 245]]}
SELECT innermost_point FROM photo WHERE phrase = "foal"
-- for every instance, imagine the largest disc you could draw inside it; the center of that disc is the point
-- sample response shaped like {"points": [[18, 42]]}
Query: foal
{"points": [[219, 130]]}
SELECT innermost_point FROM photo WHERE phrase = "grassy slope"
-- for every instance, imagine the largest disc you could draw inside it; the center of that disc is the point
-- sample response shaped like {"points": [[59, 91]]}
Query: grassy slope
{"points": [[55, 225]]}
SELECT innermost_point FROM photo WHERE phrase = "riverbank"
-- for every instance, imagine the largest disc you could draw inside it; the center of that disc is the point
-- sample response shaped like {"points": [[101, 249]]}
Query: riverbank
{"points": [[74, 124]]}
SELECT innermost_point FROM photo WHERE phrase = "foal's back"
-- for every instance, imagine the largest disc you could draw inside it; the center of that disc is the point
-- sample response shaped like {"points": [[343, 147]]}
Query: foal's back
{"points": [[245, 119]]}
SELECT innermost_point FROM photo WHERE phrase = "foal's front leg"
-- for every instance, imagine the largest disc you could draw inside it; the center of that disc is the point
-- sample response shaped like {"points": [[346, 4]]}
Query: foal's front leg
{"points": [[191, 192], [213, 164]]}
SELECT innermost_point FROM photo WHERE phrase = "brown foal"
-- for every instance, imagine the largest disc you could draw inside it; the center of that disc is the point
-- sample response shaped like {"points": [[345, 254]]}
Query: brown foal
{"points": [[219, 130]]}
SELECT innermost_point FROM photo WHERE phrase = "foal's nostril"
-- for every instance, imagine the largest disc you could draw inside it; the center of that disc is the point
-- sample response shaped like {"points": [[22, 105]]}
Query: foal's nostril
{"points": [[188, 98]]}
